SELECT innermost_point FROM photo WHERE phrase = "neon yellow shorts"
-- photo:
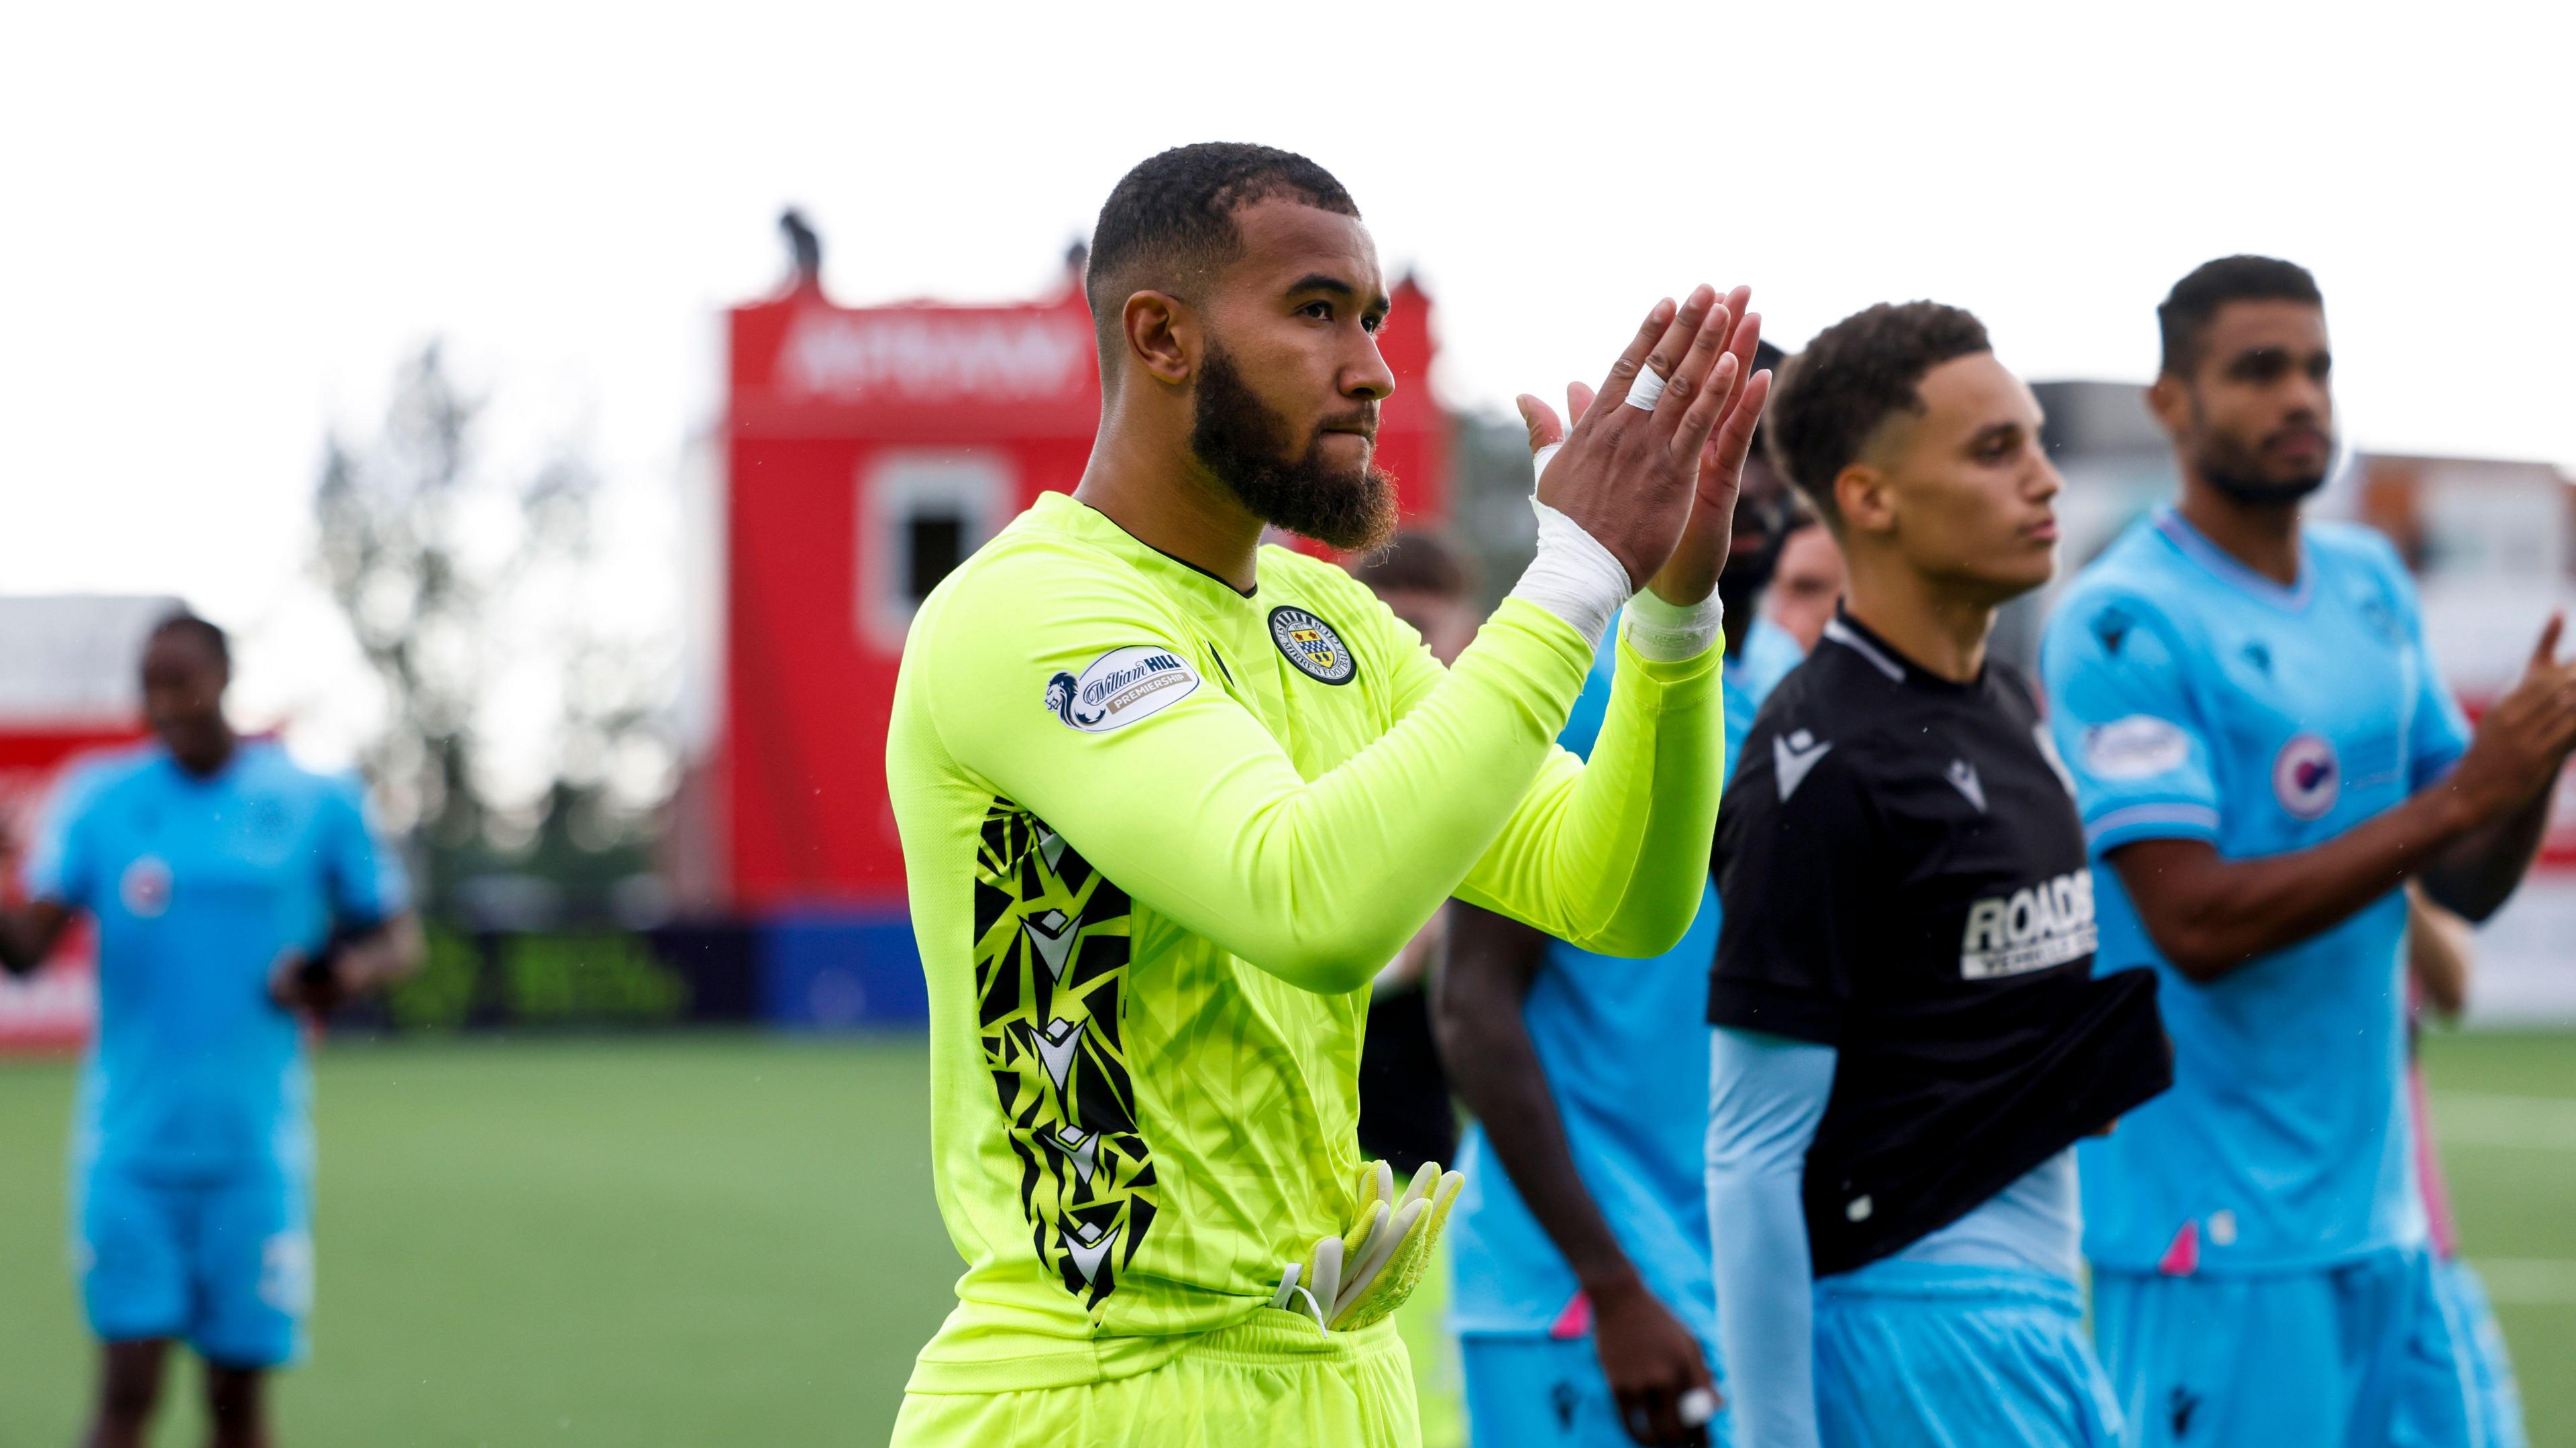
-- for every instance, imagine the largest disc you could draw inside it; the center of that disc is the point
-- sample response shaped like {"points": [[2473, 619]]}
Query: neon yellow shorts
{"points": [[1273, 1379]]}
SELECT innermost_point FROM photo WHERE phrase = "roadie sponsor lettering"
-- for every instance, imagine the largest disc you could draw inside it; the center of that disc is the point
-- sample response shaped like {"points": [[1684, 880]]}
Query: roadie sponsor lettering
{"points": [[2033, 928]]}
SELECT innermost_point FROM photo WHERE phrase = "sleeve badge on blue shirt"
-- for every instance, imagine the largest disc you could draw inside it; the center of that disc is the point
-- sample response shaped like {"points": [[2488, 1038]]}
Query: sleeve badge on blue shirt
{"points": [[2140, 746]]}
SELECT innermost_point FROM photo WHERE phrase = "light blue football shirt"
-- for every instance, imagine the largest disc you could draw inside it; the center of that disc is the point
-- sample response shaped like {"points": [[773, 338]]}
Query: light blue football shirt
{"points": [[1625, 1047], [197, 886], [2194, 698]]}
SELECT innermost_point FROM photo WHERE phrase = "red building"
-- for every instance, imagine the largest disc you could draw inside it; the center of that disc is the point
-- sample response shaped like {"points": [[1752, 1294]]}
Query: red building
{"points": [[67, 688], [865, 452]]}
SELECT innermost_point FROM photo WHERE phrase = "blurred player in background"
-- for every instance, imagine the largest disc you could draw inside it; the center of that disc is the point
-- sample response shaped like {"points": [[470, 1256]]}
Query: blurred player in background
{"points": [[2458, 1349], [1406, 1117], [1581, 1247], [232, 892], [1908, 1039], [2265, 750], [1169, 801], [1807, 583]]}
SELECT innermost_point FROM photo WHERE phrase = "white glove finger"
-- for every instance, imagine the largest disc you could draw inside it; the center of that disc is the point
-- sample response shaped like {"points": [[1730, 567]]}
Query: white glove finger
{"points": [[1355, 1247], [1324, 1277], [1390, 1241], [1425, 1179]]}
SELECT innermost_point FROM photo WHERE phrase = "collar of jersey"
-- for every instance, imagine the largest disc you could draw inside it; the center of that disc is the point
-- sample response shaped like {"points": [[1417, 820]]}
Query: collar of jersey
{"points": [[166, 762], [2222, 565], [1070, 513], [1881, 655]]}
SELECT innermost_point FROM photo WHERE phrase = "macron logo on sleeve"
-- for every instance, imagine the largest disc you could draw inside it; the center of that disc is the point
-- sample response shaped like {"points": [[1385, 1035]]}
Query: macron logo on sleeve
{"points": [[1793, 757]]}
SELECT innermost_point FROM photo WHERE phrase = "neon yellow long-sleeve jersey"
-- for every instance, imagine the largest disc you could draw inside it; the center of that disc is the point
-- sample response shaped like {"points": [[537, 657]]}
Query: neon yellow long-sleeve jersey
{"points": [[1159, 835]]}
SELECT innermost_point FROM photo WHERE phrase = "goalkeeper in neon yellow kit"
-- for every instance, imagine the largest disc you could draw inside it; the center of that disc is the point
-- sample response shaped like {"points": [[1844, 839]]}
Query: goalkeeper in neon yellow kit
{"points": [[1169, 799]]}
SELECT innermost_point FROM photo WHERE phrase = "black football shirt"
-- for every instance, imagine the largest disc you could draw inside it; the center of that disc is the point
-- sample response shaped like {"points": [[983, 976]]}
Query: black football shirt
{"points": [[1903, 877]]}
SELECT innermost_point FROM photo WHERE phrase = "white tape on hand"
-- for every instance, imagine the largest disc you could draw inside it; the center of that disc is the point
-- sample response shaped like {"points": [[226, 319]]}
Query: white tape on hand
{"points": [[1573, 576], [1669, 633], [1540, 459], [1646, 389], [1696, 1408]]}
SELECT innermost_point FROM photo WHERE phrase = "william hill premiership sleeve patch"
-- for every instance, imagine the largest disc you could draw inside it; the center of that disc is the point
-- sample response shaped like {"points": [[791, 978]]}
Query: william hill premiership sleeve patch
{"points": [[1119, 688]]}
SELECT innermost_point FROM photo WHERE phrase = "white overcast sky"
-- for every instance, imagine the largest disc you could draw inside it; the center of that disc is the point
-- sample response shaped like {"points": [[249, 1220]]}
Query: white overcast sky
{"points": [[222, 226]]}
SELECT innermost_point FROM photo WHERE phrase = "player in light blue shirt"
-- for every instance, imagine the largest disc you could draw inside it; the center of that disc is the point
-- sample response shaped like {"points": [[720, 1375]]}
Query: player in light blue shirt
{"points": [[1580, 1242], [232, 891], [2264, 751]]}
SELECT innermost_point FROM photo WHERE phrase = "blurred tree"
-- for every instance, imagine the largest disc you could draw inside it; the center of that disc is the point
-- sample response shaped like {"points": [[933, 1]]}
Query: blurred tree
{"points": [[454, 583]]}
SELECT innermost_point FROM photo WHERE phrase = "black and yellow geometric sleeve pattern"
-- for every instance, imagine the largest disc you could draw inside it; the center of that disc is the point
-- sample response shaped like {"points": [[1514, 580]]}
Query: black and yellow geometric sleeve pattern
{"points": [[1051, 953]]}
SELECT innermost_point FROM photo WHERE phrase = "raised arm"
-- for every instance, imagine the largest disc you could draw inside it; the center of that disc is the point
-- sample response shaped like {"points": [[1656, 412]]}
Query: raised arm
{"points": [[2211, 915], [1649, 1358], [2131, 732], [29, 931], [1196, 810], [1611, 856], [376, 941]]}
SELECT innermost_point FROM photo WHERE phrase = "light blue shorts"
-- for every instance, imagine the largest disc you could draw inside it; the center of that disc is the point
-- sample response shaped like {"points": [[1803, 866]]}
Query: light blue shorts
{"points": [[2309, 1358], [2459, 1354], [1546, 1392], [225, 1264], [1913, 1355]]}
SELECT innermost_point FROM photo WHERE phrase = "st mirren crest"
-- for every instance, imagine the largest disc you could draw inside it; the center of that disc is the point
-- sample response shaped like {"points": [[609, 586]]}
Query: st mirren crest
{"points": [[1051, 949], [1313, 646]]}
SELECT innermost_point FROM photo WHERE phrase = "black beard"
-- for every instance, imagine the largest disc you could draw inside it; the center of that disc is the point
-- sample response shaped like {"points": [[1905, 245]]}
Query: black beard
{"points": [[2233, 469], [1236, 437], [2253, 492]]}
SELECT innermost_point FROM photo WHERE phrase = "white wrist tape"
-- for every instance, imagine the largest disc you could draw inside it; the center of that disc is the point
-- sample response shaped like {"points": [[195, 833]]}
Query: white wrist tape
{"points": [[1646, 389], [1573, 576], [1668, 633]]}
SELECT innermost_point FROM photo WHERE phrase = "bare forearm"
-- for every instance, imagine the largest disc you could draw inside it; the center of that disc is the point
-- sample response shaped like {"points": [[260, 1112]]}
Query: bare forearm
{"points": [[28, 933], [384, 956], [2482, 869], [2211, 915], [15, 956], [2437, 954], [1496, 1071]]}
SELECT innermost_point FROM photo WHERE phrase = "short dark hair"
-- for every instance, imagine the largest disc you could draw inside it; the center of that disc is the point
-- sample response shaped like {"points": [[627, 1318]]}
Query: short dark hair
{"points": [[1417, 562], [1169, 223], [2186, 312], [1833, 396], [183, 620], [1766, 354]]}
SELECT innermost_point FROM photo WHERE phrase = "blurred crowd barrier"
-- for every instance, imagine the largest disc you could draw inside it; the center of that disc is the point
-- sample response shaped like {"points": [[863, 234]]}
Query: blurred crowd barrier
{"points": [[820, 970]]}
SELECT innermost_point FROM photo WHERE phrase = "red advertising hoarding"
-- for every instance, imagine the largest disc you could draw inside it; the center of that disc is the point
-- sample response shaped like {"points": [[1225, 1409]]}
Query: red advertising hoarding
{"points": [[52, 1009], [865, 451]]}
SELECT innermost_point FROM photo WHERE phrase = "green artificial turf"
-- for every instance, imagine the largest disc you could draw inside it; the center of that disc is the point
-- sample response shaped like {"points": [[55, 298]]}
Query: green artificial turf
{"points": [[677, 1240], [691, 1240]]}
